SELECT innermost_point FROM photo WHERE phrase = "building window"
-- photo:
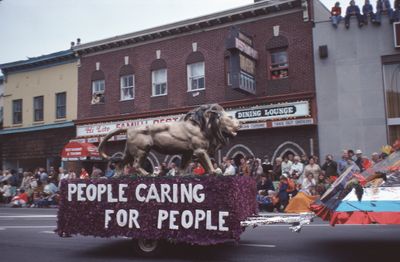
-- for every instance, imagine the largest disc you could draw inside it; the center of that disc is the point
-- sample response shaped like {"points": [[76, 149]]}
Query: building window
{"points": [[17, 111], [61, 105], [279, 65], [228, 70], [159, 82], [38, 108], [127, 87], [98, 88], [195, 76]]}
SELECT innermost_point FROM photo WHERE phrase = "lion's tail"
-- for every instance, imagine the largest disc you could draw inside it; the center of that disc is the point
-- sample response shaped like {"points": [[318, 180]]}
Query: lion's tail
{"points": [[106, 138]]}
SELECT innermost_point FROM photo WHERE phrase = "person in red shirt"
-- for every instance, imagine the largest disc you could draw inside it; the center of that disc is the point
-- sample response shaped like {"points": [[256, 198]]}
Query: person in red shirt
{"points": [[336, 14], [84, 174], [199, 170], [20, 200]]}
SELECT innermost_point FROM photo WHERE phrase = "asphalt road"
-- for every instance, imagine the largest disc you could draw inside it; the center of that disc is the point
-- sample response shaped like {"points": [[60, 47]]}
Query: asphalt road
{"points": [[27, 235]]}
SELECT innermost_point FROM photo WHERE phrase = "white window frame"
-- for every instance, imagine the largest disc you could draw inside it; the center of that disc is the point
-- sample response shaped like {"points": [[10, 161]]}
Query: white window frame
{"points": [[122, 87], [190, 77], [154, 83], [95, 87], [60, 106]]}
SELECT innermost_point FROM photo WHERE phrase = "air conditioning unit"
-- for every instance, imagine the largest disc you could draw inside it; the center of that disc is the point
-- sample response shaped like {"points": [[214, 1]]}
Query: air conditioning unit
{"points": [[396, 33]]}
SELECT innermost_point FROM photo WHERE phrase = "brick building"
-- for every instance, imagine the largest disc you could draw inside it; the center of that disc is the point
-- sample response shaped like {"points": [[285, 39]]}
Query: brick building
{"points": [[255, 60]]}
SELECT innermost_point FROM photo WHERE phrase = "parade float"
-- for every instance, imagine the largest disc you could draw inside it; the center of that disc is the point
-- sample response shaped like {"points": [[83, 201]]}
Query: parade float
{"points": [[372, 197], [197, 210]]}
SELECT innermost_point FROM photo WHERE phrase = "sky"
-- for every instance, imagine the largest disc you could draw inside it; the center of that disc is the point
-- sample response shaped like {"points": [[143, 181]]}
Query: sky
{"points": [[30, 28]]}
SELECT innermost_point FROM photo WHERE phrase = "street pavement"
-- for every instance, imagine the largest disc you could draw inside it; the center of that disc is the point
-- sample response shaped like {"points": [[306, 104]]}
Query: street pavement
{"points": [[26, 234]]}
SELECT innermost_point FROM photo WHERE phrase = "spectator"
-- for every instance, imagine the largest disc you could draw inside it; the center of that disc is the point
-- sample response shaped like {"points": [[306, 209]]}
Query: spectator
{"points": [[277, 168], [173, 170], [336, 14], [224, 164], [199, 170], [190, 169], [353, 10], [322, 184], [368, 12], [267, 166], [342, 165], [111, 170], [52, 173], [156, 171], [375, 158], [257, 170], [304, 159], [330, 168], [383, 7], [71, 174], [51, 187], [286, 165], [396, 13], [283, 195], [6, 192], [351, 154], [84, 174], [308, 185], [312, 168], [44, 177], [297, 168], [26, 181], [96, 172], [218, 171], [164, 169], [265, 184], [20, 200], [359, 160], [61, 175], [229, 169], [244, 169]]}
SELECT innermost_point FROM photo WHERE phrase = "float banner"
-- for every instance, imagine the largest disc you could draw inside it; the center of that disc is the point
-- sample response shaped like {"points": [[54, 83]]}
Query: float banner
{"points": [[196, 210]]}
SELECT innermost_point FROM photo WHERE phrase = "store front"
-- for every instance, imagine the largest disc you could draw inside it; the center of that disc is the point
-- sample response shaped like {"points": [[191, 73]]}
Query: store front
{"points": [[270, 130]]}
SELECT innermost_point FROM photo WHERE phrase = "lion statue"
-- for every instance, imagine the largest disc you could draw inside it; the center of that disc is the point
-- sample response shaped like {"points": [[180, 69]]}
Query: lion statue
{"points": [[199, 133]]}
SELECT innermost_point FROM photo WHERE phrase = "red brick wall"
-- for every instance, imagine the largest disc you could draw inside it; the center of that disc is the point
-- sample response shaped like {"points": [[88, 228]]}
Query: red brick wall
{"points": [[175, 52]]}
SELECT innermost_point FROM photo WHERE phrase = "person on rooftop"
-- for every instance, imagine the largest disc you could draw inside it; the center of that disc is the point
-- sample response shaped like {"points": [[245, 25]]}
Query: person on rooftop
{"points": [[336, 14], [396, 12], [383, 7], [353, 10], [367, 10]]}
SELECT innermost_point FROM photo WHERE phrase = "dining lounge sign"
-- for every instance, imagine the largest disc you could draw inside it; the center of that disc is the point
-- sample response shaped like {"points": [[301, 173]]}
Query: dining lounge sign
{"points": [[272, 112]]}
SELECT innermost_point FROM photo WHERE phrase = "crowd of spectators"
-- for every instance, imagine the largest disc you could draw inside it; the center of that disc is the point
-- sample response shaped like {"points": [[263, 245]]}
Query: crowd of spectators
{"points": [[38, 188], [277, 182], [382, 7]]}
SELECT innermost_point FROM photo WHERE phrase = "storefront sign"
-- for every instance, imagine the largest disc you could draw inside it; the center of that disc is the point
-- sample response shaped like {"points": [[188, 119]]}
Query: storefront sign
{"points": [[294, 122], [253, 126], [101, 129], [245, 48], [270, 112]]}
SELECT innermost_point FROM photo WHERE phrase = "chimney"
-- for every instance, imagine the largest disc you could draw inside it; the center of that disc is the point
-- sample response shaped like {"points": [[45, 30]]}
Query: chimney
{"points": [[78, 41], [72, 44]]}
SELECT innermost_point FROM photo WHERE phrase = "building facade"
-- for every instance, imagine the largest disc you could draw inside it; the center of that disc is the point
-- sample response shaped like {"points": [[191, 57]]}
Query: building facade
{"points": [[1, 117], [256, 61], [356, 84], [40, 103]]}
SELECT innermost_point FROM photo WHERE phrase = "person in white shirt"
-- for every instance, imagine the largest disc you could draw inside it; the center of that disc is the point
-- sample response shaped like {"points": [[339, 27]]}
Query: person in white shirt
{"points": [[308, 185], [230, 169], [286, 165], [296, 170]]}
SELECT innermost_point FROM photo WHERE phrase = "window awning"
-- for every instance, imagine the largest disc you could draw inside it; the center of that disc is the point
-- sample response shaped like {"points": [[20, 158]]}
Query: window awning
{"points": [[75, 151]]}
